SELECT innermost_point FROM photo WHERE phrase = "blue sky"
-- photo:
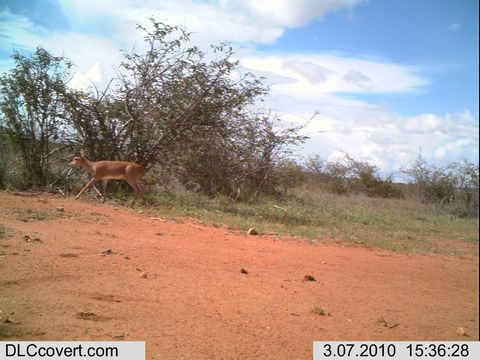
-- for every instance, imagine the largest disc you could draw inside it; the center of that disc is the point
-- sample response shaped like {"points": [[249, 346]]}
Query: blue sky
{"points": [[390, 78], [409, 32]]}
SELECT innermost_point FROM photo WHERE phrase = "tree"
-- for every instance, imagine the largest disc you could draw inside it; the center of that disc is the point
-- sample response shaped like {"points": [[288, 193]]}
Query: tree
{"points": [[191, 114], [32, 109], [170, 107]]}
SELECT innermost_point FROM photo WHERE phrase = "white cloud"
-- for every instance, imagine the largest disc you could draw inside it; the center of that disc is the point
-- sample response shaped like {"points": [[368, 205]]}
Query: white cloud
{"points": [[361, 80], [240, 22], [424, 123], [326, 73], [453, 27], [452, 148], [377, 134], [211, 21], [314, 73], [18, 32], [386, 140], [365, 130], [291, 14], [86, 52], [85, 80]]}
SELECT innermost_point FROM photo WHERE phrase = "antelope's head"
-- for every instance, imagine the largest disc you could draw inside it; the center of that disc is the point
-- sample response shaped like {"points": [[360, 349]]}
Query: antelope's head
{"points": [[79, 160]]}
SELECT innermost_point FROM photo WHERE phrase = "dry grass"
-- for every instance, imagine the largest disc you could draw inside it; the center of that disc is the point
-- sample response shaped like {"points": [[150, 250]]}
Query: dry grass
{"points": [[396, 224], [4, 231], [29, 215]]}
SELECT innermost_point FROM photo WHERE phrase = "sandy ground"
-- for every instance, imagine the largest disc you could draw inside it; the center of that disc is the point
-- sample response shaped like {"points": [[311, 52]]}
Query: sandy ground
{"points": [[77, 275]]}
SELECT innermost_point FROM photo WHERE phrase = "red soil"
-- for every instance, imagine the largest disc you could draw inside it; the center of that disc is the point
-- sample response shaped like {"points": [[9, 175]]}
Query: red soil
{"points": [[76, 276]]}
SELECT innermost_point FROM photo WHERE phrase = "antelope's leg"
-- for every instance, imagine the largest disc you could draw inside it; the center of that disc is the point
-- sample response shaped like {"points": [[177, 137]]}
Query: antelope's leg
{"points": [[105, 183], [93, 181], [134, 185], [98, 192]]}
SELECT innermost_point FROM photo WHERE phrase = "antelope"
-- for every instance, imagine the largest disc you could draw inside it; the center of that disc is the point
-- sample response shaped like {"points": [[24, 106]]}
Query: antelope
{"points": [[105, 170]]}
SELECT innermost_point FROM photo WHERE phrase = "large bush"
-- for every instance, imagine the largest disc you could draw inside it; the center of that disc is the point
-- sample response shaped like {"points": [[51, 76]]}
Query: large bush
{"points": [[172, 107], [33, 111], [347, 175], [453, 187]]}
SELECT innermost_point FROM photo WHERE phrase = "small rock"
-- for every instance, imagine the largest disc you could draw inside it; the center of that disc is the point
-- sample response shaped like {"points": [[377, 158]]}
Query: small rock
{"points": [[69, 255], [4, 318], [319, 311], [252, 231], [60, 209], [389, 324], [462, 332], [309, 278], [143, 275], [33, 240], [243, 271], [87, 316], [109, 252]]}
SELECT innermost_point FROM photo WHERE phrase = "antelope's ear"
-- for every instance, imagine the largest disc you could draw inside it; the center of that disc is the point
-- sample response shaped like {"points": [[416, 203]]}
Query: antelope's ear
{"points": [[82, 154]]}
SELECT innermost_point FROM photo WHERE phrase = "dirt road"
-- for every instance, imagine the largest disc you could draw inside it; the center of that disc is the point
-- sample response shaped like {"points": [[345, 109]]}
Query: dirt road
{"points": [[76, 270]]}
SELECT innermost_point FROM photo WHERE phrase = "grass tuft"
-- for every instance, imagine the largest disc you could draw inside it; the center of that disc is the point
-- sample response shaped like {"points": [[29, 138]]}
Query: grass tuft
{"points": [[3, 231], [33, 215]]}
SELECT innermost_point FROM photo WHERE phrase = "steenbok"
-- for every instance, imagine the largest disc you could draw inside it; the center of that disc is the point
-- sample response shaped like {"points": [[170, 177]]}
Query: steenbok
{"points": [[106, 170]]}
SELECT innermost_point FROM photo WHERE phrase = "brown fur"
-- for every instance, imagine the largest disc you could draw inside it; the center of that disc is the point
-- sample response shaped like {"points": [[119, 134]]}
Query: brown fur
{"points": [[106, 170]]}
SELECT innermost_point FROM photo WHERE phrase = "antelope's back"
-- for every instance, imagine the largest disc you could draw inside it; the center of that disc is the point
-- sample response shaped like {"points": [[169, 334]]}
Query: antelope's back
{"points": [[118, 169]]}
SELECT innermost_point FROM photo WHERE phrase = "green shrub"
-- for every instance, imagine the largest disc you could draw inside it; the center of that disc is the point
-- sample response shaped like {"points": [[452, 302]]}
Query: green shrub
{"points": [[453, 188], [347, 176]]}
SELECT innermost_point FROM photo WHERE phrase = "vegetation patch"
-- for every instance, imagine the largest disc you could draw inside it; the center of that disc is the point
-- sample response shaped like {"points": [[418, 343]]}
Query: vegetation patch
{"points": [[4, 231], [405, 225], [29, 215], [319, 311]]}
